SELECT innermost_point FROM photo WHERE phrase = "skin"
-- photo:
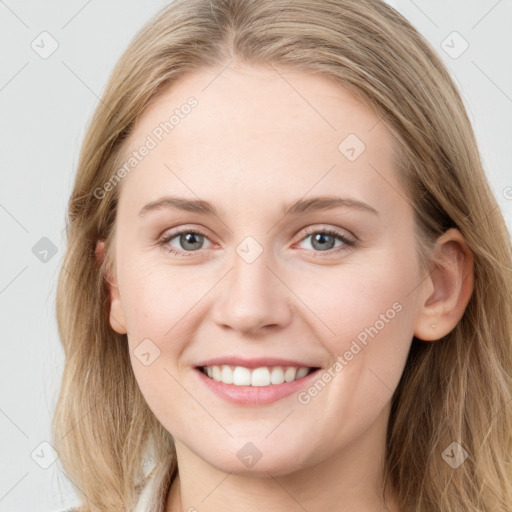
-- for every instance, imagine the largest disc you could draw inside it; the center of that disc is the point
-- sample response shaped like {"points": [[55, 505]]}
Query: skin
{"points": [[253, 143]]}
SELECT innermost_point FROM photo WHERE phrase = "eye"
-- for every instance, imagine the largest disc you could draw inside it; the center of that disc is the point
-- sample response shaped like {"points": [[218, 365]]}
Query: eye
{"points": [[187, 239], [191, 241], [324, 240]]}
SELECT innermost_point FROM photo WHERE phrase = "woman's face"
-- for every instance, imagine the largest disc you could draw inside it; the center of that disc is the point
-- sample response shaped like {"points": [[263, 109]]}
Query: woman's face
{"points": [[259, 287]]}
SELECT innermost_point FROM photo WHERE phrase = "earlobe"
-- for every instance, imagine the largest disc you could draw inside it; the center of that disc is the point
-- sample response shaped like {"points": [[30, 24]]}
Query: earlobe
{"points": [[117, 318], [448, 288]]}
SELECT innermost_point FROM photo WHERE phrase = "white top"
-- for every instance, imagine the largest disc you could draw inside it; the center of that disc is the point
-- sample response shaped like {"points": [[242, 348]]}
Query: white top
{"points": [[154, 493], [149, 494], [155, 484]]}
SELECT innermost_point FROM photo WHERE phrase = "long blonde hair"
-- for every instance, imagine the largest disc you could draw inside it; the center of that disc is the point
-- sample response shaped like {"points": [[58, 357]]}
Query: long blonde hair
{"points": [[457, 389]]}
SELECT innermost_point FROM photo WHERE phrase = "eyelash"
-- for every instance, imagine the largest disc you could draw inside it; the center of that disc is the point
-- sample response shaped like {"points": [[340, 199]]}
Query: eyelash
{"points": [[348, 243]]}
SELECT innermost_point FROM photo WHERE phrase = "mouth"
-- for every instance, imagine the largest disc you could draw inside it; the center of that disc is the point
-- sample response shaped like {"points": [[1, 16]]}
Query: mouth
{"points": [[263, 376], [254, 381]]}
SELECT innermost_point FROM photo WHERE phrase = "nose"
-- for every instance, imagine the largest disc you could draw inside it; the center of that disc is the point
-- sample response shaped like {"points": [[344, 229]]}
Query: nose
{"points": [[253, 298]]}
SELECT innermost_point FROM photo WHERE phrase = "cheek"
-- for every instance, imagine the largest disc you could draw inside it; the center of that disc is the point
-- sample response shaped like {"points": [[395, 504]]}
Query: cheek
{"points": [[162, 306], [151, 310], [364, 307], [367, 318], [156, 311], [157, 296]]}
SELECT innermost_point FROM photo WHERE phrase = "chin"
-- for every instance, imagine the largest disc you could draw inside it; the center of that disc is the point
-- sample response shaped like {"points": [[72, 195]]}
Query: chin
{"points": [[257, 458]]}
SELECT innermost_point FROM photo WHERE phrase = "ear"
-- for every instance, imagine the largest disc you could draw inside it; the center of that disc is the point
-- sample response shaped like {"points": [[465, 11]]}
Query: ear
{"points": [[448, 288], [117, 319]]}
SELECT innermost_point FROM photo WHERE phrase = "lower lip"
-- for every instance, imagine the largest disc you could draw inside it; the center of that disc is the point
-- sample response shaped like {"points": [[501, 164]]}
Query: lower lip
{"points": [[254, 395]]}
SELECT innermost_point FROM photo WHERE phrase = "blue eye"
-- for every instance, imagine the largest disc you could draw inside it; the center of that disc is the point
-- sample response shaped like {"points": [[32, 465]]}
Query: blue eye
{"points": [[186, 237], [323, 239]]}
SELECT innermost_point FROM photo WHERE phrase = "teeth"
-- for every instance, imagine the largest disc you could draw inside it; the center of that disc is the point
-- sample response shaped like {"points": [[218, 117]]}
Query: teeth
{"points": [[241, 376], [226, 375], [302, 372], [263, 376], [277, 375], [260, 377], [290, 373]]}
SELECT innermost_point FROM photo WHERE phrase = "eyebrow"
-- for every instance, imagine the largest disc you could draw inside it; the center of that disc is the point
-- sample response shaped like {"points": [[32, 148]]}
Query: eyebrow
{"points": [[298, 207]]}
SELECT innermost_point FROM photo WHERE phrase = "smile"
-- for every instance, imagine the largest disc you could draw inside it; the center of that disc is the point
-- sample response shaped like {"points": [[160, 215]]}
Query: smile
{"points": [[254, 385], [262, 376]]}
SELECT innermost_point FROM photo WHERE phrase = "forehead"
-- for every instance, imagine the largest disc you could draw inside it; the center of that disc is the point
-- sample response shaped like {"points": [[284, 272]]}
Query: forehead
{"points": [[255, 130], [260, 100]]}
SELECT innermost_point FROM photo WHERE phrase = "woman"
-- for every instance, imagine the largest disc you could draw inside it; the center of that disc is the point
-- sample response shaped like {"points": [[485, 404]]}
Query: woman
{"points": [[337, 336]]}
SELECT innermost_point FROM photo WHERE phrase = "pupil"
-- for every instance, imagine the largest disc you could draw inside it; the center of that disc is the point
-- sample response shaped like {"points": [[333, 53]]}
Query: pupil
{"points": [[189, 238], [321, 236], [318, 238]]}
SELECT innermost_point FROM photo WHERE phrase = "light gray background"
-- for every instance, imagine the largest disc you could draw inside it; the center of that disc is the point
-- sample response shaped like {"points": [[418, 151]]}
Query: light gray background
{"points": [[45, 105]]}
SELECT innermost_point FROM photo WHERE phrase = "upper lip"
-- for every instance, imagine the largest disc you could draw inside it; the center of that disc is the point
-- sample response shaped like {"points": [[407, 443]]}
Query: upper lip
{"points": [[255, 362]]}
